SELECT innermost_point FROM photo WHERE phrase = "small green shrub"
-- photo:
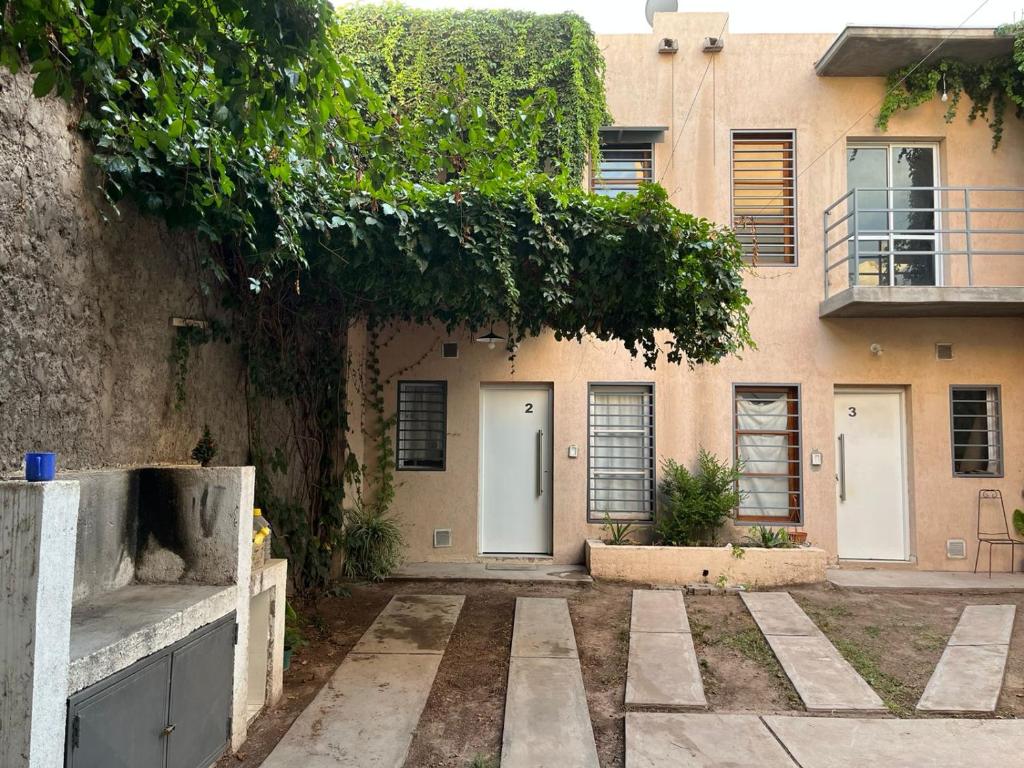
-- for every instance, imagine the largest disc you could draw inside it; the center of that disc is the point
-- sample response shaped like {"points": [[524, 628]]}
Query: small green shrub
{"points": [[205, 449], [618, 532], [769, 538], [293, 637], [372, 542], [1018, 521], [695, 505]]}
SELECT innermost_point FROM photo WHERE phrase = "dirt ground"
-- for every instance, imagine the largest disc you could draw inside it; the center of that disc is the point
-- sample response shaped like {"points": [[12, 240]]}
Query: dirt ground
{"points": [[893, 640]]}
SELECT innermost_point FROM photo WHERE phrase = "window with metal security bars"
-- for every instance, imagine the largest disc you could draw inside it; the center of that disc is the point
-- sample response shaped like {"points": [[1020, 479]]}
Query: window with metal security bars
{"points": [[620, 452], [422, 424], [622, 168], [976, 431], [764, 195], [766, 423]]}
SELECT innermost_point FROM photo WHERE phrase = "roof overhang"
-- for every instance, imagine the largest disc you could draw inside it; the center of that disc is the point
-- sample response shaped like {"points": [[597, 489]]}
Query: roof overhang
{"points": [[640, 134], [877, 51]]}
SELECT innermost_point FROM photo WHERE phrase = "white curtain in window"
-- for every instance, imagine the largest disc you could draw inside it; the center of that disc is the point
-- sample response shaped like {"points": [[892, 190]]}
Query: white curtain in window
{"points": [[620, 451], [763, 453]]}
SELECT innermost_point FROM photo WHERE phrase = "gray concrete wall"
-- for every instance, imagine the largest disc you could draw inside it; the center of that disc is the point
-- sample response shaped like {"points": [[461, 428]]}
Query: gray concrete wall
{"points": [[85, 308], [108, 516], [37, 542]]}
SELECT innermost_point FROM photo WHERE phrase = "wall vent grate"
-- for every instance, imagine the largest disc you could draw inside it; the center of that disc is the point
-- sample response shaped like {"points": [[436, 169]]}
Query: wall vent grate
{"points": [[442, 537], [956, 549], [450, 349], [943, 351]]}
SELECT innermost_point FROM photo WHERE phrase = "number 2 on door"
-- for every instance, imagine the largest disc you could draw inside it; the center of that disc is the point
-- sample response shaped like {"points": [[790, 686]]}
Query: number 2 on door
{"points": [[529, 408]]}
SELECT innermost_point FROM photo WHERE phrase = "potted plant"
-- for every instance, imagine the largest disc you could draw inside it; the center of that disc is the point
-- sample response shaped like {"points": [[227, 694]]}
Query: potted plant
{"points": [[293, 638], [797, 536]]}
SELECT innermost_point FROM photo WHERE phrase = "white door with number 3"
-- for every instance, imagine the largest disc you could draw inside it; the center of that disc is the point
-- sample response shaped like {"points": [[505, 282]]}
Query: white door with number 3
{"points": [[871, 498], [515, 470]]}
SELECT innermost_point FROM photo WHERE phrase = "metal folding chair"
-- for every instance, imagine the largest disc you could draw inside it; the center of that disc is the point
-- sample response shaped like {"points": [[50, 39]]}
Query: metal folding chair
{"points": [[991, 532]]}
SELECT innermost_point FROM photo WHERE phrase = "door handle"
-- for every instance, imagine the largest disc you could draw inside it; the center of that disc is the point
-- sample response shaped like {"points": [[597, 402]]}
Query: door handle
{"points": [[540, 462], [168, 730], [842, 467]]}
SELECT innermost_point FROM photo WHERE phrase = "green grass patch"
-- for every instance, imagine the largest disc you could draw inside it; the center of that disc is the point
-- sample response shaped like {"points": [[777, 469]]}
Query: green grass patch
{"points": [[482, 761], [894, 694]]}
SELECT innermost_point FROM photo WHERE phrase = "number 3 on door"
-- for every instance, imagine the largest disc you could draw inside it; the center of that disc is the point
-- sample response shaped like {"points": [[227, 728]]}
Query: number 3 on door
{"points": [[851, 411]]}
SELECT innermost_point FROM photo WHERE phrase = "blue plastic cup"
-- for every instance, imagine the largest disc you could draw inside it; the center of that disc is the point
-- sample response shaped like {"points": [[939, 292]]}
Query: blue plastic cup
{"points": [[40, 466]]}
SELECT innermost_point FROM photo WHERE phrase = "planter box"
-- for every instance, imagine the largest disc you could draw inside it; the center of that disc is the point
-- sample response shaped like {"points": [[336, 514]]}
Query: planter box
{"points": [[686, 565]]}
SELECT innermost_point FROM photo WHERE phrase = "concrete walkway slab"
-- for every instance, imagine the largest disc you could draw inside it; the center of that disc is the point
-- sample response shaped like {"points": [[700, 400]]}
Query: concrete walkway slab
{"points": [[547, 722], [658, 610], [984, 625], [663, 672], [777, 613], [824, 679], [543, 629], [818, 742], [969, 676], [412, 624], [901, 580], [366, 715], [701, 741]]}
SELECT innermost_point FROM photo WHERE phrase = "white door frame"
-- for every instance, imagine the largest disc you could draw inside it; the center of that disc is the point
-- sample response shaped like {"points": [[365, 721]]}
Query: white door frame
{"points": [[904, 464], [549, 444]]}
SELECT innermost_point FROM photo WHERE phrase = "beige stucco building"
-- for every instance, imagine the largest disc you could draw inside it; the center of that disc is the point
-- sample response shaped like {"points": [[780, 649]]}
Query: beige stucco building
{"points": [[878, 402]]}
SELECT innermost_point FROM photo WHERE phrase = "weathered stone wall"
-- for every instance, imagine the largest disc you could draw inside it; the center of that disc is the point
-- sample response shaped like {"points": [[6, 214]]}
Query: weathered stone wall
{"points": [[85, 309]]}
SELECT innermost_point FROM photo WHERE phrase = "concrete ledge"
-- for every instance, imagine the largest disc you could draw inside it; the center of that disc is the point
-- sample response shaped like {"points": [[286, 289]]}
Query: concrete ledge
{"points": [[117, 629], [924, 301], [684, 565]]}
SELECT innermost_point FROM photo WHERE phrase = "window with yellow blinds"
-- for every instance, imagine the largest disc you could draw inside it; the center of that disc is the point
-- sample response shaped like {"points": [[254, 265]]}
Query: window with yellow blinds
{"points": [[764, 195]]}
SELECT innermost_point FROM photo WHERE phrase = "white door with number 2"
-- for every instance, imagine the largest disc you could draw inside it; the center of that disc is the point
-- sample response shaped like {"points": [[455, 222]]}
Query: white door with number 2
{"points": [[871, 499], [515, 470]]}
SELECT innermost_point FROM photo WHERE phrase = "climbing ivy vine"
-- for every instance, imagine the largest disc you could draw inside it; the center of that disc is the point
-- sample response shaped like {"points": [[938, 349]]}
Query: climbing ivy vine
{"points": [[320, 202], [992, 87], [503, 57]]}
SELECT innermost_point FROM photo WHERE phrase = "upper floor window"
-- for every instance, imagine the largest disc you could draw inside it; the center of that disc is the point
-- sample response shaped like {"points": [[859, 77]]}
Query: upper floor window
{"points": [[623, 167], [764, 195], [977, 432], [422, 424]]}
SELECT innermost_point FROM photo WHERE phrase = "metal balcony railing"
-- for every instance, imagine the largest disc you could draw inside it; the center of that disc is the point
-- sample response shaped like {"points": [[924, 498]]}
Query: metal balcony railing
{"points": [[925, 236]]}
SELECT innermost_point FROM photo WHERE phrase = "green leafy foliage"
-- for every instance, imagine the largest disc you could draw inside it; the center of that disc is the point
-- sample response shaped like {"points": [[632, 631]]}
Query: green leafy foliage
{"points": [[318, 202], [205, 449], [1018, 521], [991, 86], [618, 531], [695, 505], [294, 637], [373, 543], [415, 56], [768, 538]]}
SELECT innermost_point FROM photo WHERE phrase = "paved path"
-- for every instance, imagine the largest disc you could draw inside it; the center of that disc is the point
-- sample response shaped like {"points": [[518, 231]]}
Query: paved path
{"points": [[748, 741], [547, 723], [824, 679], [969, 676], [925, 581], [366, 714], [494, 571], [662, 670]]}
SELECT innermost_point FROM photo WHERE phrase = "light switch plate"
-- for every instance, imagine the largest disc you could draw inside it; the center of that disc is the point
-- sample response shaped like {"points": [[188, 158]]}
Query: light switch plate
{"points": [[574, 451], [816, 458]]}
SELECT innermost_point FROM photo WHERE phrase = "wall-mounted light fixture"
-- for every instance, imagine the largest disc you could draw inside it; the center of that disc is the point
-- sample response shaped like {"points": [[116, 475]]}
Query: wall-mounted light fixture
{"points": [[490, 338]]}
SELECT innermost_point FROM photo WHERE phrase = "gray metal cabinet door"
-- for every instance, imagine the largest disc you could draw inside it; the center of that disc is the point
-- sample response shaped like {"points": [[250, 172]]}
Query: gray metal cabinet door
{"points": [[201, 684], [122, 725]]}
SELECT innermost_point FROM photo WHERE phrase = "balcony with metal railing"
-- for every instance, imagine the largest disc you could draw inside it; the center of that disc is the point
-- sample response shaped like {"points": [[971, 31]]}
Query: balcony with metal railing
{"points": [[925, 252]]}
